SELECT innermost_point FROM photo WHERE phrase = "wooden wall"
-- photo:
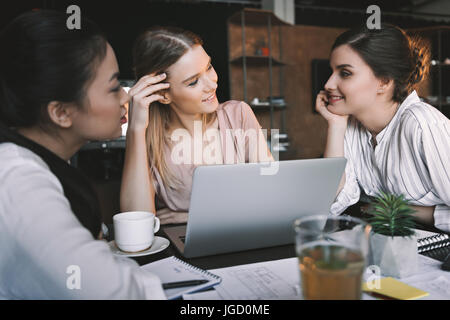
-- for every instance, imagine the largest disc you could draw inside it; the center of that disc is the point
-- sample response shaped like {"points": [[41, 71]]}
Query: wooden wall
{"points": [[300, 44], [307, 129]]}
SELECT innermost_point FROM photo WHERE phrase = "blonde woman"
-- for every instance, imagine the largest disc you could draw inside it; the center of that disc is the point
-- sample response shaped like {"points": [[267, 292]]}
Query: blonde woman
{"points": [[176, 124]]}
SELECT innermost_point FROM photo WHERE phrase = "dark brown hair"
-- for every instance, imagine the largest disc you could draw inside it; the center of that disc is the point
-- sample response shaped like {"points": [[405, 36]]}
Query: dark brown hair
{"points": [[391, 54], [42, 61]]}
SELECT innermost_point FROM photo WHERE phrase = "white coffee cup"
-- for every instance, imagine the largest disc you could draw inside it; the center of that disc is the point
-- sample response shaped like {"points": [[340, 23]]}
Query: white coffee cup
{"points": [[135, 230]]}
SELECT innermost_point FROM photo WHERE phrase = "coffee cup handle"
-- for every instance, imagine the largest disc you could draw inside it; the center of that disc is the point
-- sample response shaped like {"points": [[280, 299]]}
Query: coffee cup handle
{"points": [[156, 228]]}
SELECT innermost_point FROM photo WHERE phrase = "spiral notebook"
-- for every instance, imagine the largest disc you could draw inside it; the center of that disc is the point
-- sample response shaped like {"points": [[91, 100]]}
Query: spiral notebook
{"points": [[433, 245], [173, 269]]}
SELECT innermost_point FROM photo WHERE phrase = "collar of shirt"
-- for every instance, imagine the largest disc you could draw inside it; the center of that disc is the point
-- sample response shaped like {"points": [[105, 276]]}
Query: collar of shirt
{"points": [[411, 99]]}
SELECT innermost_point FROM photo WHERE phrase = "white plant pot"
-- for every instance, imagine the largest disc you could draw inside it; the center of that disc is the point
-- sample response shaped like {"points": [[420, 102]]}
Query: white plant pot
{"points": [[395, 256]]}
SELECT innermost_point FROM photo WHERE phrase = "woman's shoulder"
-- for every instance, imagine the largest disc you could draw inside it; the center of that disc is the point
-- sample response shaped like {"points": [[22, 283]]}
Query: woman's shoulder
{"points": [[23, 173], [234, 106], [421, 121], [13, 156], [424, 115], [12, 153], [236, 111]]}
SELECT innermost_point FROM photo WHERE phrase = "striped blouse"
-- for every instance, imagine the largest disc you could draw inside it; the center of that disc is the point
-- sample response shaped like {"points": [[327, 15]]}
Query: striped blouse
{"points": [[411, 157]]}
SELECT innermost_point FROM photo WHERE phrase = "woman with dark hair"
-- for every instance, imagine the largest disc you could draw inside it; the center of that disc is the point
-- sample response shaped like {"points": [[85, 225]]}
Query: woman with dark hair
{"points": [[58, 89], [392, 140], [175, 97]]}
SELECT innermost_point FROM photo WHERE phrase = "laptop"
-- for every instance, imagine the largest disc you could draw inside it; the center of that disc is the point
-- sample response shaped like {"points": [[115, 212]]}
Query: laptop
{"points": [[235, 208]]}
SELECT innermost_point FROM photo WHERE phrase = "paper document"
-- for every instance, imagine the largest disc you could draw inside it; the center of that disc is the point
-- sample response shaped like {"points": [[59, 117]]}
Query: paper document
{"points": [[431, 278], [269, 280], [206, 295], [280, 279]]}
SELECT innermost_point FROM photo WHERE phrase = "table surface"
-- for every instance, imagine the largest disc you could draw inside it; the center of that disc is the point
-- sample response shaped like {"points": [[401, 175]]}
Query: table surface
{"points": [[221, 260], [288, 251], [226, 259]]}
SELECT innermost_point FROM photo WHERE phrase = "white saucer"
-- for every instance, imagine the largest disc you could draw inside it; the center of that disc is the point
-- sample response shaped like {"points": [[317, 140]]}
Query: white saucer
{"points": [[159, 244]]}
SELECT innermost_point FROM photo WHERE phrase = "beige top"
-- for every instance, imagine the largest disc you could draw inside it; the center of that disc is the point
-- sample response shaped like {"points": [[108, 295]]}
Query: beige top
{"points": [[237, 127]]}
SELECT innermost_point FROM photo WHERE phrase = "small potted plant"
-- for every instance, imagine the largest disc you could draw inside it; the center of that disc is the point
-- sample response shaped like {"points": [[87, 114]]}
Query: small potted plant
{"points": [[393, 242]]}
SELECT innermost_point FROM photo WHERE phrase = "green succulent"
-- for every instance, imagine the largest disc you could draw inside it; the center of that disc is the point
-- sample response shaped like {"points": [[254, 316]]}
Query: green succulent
{"points": [[391, 215]]}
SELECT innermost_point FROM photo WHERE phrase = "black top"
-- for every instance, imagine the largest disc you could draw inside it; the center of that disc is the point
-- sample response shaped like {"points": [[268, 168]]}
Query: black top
{"points": [[77, 188]]}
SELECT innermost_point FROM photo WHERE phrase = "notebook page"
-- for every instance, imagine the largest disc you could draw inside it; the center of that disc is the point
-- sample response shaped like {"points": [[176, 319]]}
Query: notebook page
{"points": [[173, 269]]}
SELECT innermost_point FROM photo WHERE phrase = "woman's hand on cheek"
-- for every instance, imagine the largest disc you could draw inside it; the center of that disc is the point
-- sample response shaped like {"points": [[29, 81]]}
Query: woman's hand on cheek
{"points": [[166, 216], [322, 108], [142, 94]]}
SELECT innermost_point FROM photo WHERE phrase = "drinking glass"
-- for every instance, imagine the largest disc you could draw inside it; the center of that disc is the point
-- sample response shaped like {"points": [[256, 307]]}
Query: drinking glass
{"points": [[332, 254]]}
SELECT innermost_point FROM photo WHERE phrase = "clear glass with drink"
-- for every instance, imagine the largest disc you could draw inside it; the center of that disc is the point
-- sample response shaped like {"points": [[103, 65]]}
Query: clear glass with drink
{"points": [[332, 254]]}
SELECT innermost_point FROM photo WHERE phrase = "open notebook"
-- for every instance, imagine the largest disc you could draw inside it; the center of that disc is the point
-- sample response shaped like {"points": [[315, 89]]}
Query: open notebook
{"points": [[433, 245], [173, 269]]}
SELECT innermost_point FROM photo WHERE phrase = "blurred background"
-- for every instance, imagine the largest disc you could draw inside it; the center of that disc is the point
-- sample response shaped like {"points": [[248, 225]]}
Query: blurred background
{"points": [[273, 54]]}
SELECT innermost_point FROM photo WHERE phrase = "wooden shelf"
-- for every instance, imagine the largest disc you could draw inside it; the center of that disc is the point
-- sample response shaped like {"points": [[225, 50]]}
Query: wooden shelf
{"points": [[267, 107], [118, 143], [249, 31], [257, 17], [257, 61], [443, 66], [429, 29]]}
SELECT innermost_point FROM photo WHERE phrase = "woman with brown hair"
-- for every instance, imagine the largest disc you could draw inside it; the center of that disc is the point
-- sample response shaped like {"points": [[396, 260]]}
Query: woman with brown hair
{"points": [[392, 140], [175, 99]]}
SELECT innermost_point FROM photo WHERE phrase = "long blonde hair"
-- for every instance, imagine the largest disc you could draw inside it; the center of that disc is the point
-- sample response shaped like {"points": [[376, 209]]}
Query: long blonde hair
{"points": [[155, 51]]}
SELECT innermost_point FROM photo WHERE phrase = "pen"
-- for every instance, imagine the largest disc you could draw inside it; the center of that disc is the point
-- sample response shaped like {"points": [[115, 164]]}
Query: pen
{"points": [[180, 284]]}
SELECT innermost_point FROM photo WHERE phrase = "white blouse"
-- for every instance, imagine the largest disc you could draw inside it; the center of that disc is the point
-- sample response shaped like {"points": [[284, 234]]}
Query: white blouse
{"points": [[412, 157], [45, 253]]}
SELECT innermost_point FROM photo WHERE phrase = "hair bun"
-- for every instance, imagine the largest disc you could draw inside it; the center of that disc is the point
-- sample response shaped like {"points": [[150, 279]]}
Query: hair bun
{"points": [[420, 55]]}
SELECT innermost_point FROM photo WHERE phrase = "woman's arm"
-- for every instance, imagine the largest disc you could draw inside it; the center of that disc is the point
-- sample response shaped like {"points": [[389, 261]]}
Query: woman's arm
{"points": [[51, 255], [137, 191], [434, 132], [167, 216], [337, 125], [335, 147], [424, 215]]}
